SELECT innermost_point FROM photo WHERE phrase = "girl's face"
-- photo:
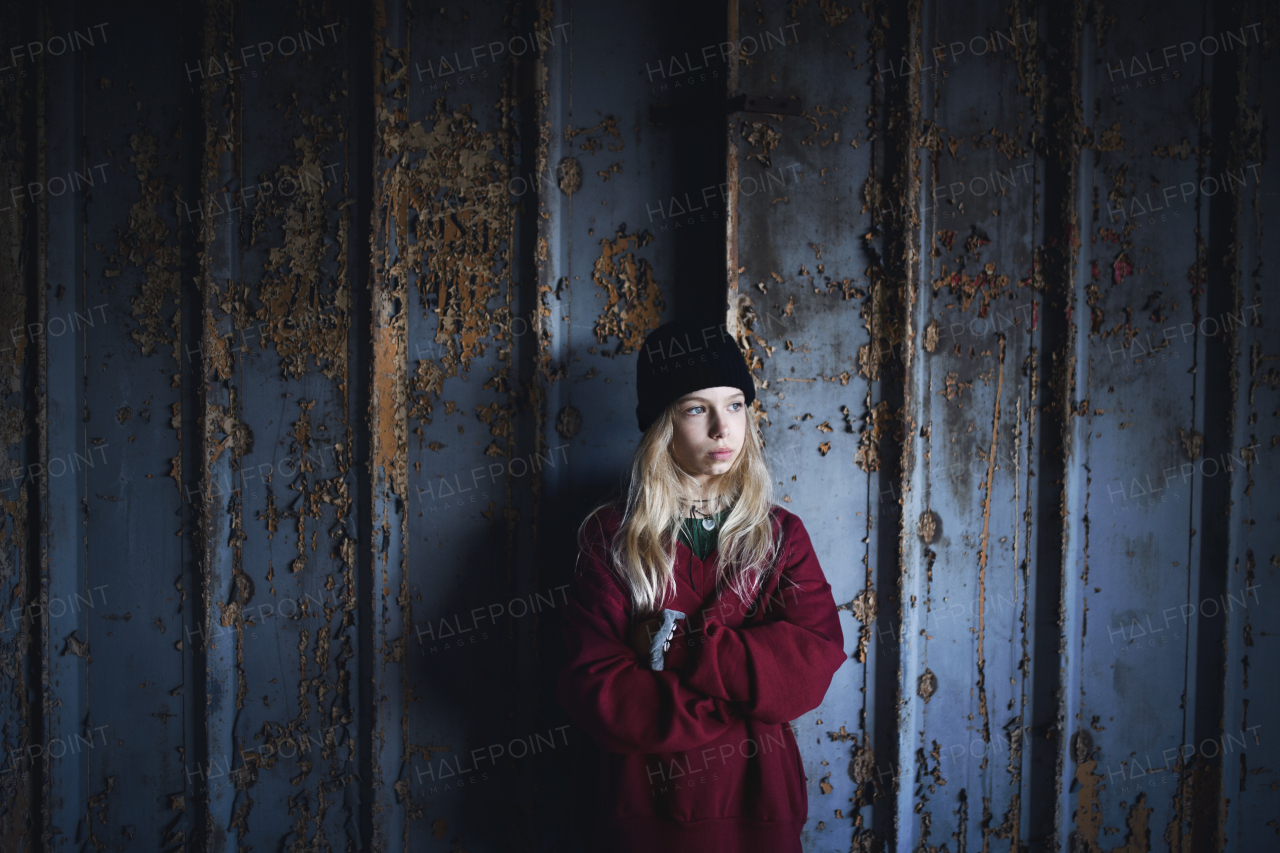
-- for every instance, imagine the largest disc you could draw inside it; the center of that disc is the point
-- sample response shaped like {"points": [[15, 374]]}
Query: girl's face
{"points": [[710, 426]]}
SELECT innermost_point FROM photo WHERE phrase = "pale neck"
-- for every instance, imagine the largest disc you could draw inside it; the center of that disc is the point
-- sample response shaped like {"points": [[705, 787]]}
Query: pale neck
{"points": [[710, 506]]}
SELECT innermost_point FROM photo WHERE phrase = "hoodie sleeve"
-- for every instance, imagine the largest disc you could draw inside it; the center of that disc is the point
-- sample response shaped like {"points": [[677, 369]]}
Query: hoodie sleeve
{"points": [[778, 669], [622, 705]]}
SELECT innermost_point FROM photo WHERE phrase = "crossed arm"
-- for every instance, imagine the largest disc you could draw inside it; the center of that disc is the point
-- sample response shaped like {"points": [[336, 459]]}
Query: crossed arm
{"points": [[774, 671]]}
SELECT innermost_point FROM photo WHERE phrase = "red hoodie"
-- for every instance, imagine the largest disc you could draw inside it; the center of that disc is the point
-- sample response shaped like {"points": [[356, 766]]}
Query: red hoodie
{"points": [[699, 756]]}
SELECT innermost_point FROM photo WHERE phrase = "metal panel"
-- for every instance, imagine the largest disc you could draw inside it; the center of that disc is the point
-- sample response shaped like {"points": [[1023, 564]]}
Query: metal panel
{"points": [[290, 600], [1159, 376], [1135, 557], [326, 322], [975, 409], [821, 315]]}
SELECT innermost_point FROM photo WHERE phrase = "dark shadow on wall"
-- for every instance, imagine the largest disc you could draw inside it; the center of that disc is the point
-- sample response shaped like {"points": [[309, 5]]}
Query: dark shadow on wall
{"points": [[691, 107], [692, 115]]}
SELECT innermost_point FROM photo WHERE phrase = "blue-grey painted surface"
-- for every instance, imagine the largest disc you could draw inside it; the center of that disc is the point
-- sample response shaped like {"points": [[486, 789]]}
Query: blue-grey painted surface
{"points": [[802, 297], [323, 367]]}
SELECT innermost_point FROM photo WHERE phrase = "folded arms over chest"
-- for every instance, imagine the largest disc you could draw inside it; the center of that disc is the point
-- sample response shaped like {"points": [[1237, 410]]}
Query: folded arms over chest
{"points": [[781, 667], [775, 670]]}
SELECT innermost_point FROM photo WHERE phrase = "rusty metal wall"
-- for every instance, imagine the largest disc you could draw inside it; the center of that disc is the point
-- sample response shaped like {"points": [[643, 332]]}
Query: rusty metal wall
{"points": [[322, 319]]}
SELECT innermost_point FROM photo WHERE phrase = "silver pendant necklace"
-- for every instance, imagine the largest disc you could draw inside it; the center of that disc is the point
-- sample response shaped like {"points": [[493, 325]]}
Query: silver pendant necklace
{"points": [[708, 522]]}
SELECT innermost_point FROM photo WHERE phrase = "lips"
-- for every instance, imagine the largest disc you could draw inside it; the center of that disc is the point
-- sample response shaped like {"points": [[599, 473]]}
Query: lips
{"points": [[723, 453]]}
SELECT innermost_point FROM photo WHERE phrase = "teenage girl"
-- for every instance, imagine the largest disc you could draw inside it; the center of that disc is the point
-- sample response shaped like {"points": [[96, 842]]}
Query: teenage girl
{"points": [[698, 625]]}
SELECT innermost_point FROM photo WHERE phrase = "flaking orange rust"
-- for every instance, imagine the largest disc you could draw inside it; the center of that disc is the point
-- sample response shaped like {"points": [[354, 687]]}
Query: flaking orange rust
{"points": [[440, 186], [983, 555], [883, 317], [307, 504], [389, 392], [147, 245], [303, 305], [389, 397], [880, 419], [633, 303], [607, 126], [743, 319], [863, 607], [463, 236], [983, 287], [1088, 812], [307, 307]]}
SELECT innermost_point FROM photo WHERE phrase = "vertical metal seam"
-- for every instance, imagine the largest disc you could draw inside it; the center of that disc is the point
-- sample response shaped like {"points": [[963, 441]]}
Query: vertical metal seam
{"points": [[901, 172], [35, 306]]}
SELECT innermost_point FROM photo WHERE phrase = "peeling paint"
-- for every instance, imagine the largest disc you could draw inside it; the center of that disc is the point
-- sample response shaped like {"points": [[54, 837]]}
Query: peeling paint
{"points": [[633, 302]]}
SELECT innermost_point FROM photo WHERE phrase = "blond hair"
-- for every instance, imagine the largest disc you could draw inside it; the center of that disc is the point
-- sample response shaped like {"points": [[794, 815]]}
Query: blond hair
{"points": [[657, 498]]}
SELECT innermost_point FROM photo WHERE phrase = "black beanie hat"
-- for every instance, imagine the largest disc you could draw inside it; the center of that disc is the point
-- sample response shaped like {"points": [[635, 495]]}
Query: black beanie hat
{"points": [[679, 358]]}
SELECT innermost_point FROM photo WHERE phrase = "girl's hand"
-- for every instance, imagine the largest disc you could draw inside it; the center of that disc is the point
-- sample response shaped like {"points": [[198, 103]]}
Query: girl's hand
{"points": [[641, 639]]}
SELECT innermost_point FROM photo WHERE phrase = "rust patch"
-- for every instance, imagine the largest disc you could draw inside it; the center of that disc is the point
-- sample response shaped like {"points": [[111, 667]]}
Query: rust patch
{"points": [[983, 554], [982, 287], [1192, 442], [863, 607], [73, 645], [461, 229], [390, 396], [568, 422], [1109, 139], [569, 176], [833, 13], [1088, 814], [607, 126], [880, 421], [303, 294], [427, 380], [927, 527], [953, 387], [926, 684], [883, 315], [633, 302], [763, 138], [147, 245], [441, 187], [1138, 837], [929, 340]]}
